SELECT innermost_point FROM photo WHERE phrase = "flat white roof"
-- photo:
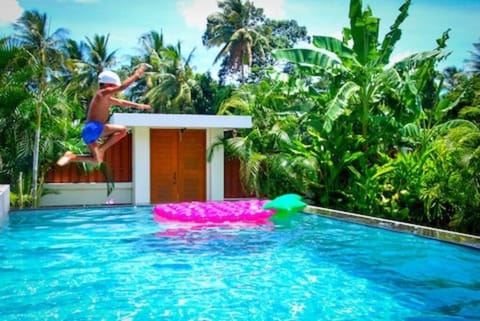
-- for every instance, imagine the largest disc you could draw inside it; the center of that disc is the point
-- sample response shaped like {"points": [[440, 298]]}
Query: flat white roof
{"points": [[181, 121]]}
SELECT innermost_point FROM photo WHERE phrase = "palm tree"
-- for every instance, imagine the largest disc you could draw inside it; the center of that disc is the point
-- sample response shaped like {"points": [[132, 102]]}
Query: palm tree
{"points": [[73, 52], [151, 42], [171, 80], [272, 156], [234, 29], [45, 55], [151, 51], [98, 55], [14, 73], [474, 61], [86, 61], [18, 102], [452, 78]]}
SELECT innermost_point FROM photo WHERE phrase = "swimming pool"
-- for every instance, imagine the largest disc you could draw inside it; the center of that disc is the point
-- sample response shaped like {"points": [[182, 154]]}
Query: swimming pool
{"points": [[119, 264]]}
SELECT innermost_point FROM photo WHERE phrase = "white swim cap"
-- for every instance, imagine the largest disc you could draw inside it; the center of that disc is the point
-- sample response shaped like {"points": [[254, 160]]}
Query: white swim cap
{"points": [[109, 77]]}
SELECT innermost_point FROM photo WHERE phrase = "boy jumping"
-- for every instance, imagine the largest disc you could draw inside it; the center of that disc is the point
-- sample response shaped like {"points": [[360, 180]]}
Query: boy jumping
{"points": [[96, 126]]}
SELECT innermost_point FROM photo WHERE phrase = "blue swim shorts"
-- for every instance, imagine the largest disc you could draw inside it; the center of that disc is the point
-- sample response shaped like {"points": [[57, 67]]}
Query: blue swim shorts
{"points": [[91, 131]]}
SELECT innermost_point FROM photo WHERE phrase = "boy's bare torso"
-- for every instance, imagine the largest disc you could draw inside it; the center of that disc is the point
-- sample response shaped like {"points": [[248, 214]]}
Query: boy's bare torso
{"points": [[99, 109]]}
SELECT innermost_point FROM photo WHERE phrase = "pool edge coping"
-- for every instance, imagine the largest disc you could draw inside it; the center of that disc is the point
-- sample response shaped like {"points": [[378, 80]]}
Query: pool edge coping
{"points": [[467, 240], [462, 239]]}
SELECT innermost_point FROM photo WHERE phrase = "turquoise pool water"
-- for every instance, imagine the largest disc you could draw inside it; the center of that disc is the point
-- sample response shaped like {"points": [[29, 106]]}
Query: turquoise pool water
{"points": [[119, 264]]}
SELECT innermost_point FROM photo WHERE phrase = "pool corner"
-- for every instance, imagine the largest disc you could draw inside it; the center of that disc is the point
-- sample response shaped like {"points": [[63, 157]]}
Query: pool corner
{"points": [[4, 201], [472, 241]]}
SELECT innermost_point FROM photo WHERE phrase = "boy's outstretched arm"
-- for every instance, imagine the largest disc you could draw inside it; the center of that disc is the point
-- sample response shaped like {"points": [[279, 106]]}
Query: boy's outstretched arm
{"points": [[127, 82], [126, 103]]}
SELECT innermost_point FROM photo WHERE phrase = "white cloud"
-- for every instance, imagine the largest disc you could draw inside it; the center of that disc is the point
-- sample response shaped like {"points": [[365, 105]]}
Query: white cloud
{"points": [[10, 11], [195, 12], [274, 9]]}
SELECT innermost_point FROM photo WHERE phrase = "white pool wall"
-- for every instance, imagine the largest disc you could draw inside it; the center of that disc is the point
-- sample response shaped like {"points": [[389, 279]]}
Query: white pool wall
{"points": [[4, 201]]}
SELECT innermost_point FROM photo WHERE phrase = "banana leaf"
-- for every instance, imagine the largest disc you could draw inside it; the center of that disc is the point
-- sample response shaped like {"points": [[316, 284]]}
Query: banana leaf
{"points": [[391, 38], [334, 45], [307, 57], [338, 105]]}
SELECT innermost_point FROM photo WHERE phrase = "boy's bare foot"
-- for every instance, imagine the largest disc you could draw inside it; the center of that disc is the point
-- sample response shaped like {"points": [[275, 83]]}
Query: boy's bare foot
{"points": [[65, 159]]}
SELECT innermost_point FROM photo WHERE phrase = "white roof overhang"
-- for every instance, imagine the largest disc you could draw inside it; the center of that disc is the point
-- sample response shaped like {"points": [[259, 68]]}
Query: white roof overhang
{"points": [[181, 121]]}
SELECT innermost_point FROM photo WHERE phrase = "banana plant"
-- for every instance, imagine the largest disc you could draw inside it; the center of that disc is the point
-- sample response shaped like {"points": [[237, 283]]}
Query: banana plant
{"points": [[362, 62], [355, 114], [369, 101]]}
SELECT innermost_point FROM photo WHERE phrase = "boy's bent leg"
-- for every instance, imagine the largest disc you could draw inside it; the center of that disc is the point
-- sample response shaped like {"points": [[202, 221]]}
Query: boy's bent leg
{"points": [[95, 157], [97, 153], [70, 157], [114, 133]]}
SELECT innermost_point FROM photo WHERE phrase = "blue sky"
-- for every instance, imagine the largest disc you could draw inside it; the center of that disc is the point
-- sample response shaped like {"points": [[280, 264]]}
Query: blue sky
{"points": [[184, 20]]}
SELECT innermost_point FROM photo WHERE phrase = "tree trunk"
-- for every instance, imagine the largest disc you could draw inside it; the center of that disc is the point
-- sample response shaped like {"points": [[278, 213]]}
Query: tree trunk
{"points": [[36, 147], [36, 152], [242, 73]]}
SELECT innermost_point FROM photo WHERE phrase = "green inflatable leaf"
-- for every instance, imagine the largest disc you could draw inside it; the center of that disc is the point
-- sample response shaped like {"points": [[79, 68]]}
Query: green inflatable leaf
{"points": [[286, 204]]}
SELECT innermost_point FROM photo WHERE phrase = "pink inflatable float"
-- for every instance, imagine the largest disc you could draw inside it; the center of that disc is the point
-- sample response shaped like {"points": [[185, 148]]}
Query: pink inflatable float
{"points": [[248, 211]]}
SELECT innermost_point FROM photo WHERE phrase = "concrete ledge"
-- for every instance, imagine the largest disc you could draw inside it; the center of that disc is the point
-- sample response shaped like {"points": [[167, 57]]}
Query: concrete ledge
{"points": [[181, 121], [82, 194], [4, 202], [434, 233]]}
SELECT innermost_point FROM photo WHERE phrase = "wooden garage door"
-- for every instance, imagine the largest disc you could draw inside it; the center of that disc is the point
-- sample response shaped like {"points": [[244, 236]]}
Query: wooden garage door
{"points": [[177, 159]]}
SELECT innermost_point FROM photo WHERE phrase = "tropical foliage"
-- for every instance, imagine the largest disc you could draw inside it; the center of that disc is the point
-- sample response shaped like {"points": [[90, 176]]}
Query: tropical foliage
{"points": [[44, 55], [372, 130], [171, 81], [338, 122]]}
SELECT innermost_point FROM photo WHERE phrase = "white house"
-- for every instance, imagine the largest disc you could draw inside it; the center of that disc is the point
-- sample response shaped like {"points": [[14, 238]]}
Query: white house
{"points": [[169, 162]]}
